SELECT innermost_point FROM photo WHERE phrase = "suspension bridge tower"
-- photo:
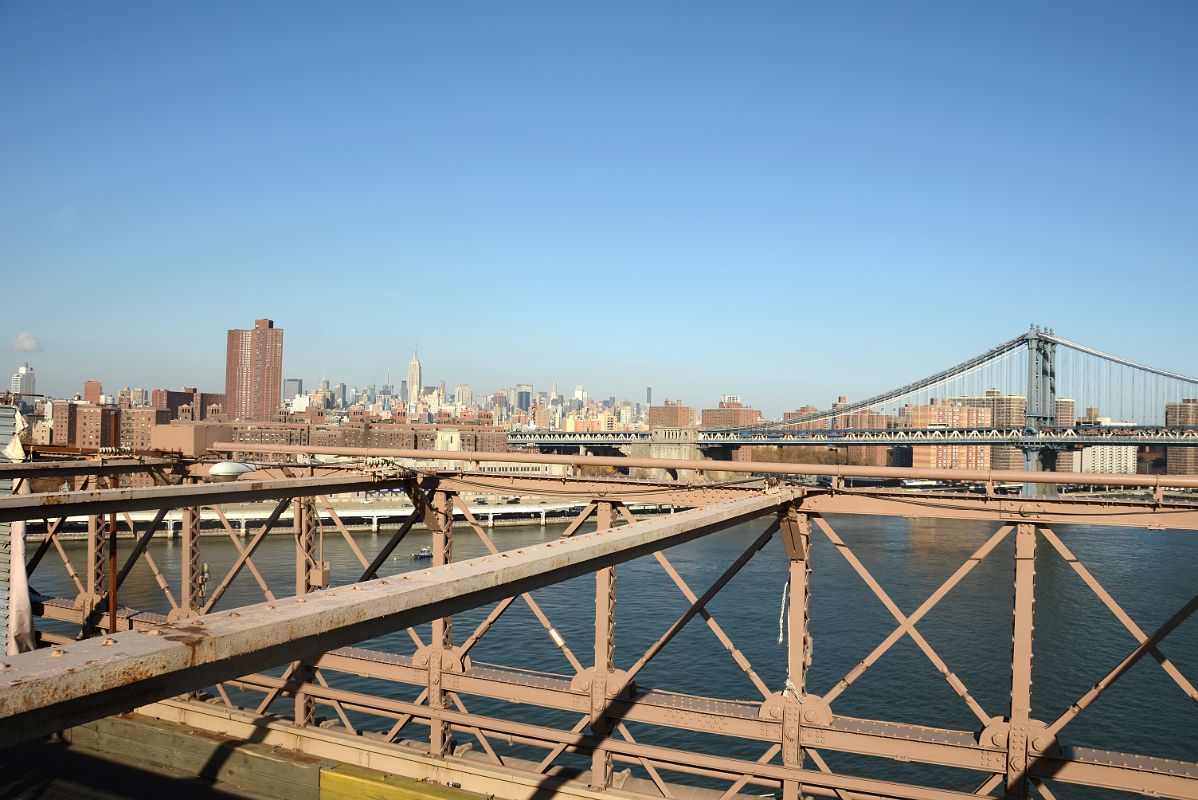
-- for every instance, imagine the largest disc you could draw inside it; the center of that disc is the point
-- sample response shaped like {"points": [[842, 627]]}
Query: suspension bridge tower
{"points": [[1041, 398]]}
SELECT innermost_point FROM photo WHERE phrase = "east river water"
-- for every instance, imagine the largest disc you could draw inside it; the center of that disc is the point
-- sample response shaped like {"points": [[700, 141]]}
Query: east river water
{"points": [[1151, 573]]}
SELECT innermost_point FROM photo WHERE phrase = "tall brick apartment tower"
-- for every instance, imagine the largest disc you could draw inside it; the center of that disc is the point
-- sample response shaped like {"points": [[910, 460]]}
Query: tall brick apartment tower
{"points": [[254, 372], [1181, 460]]}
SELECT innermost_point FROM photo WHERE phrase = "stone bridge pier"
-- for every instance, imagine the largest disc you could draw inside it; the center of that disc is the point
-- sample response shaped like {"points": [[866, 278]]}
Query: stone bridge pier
{"points": [[671, 443]]}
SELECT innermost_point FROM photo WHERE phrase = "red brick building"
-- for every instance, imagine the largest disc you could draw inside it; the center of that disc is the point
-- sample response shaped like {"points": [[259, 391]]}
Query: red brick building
{"points": [[92, 391], [730, 414], [671, 414], [254, 372], [97, 426]]}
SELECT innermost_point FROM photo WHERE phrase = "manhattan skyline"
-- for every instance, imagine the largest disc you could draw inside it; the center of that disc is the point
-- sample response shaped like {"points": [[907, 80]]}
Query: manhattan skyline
{"points": [[783, 202]]}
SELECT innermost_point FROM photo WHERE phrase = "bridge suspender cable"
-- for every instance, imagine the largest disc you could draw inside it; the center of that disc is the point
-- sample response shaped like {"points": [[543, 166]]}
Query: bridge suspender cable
{"points": [[910, 388], [1081, 348]]}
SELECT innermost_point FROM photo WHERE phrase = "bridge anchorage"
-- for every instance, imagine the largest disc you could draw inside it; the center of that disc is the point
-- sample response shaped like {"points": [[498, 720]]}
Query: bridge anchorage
{"points": [[638, 655]]}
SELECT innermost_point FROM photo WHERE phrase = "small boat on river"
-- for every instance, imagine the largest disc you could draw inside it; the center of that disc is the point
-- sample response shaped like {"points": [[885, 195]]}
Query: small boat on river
{"points": [[422, 553]]}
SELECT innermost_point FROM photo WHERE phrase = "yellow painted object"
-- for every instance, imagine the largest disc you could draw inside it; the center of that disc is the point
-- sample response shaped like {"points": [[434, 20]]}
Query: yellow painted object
{"points": [[347, 782]]}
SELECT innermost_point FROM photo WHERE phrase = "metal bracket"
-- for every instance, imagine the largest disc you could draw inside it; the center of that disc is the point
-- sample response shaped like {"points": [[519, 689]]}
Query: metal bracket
{"points": [[583, 681], [803, 721], [452, 659], [1026, 743], [796, 533]]}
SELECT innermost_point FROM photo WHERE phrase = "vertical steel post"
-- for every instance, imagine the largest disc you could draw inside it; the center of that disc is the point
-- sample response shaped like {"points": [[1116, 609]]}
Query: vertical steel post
{"points": [[605, 650], [796, 538], [191, 589], [95, 558], [305, 544], [305, 561], [112, 571], [441, 528], [1021, 661], [96, 583]]}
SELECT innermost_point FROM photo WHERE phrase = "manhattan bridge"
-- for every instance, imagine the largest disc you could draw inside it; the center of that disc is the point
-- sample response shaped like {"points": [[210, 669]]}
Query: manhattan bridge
{"points": [[1038, 366]]}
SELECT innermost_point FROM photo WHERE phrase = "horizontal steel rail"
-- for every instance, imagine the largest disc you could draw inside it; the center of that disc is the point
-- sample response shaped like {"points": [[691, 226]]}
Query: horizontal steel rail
{"points": [[65, 504], [113, 466], [745, 467]]}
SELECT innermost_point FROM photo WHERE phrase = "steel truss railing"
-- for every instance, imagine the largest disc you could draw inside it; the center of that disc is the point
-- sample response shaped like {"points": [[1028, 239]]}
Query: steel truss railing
{"points": [[1010, 750]]}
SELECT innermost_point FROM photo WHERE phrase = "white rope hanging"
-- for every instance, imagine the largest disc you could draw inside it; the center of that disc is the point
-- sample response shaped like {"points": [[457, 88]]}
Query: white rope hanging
{"points": [[782, 613]]}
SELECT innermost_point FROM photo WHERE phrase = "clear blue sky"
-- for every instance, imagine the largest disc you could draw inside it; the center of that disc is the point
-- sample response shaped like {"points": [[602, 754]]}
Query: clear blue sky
{"points": [[787, 201]]}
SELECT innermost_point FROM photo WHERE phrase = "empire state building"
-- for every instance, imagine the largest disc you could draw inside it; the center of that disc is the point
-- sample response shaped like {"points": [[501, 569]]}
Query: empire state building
{"points": [[413, 381]]}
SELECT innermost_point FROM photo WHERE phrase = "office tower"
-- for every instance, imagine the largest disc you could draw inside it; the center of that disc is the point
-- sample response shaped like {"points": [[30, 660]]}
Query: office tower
{"points": [[254, 372], [23, 381], [92, 391], [523, 396], [292, 387], [649, 395], [413, 380]]}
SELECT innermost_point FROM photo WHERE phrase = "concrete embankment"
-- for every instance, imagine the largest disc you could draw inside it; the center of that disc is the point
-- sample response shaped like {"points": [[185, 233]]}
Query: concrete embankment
{"points": [[135, 756]]}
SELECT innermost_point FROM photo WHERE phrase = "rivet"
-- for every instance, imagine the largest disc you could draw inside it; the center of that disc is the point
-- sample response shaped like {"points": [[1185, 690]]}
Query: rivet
{"points": [[776, 713], [384, 583], [356, 588], [108, 642], [234, 615], [55, 653], [300, 601], [270, 607], [998, 739], [809, 716]]}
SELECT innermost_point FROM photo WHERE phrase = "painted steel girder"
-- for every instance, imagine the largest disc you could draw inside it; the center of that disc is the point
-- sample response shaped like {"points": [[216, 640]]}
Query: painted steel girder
{"points": [[1126, 514], [103, 501], [49, 689]]}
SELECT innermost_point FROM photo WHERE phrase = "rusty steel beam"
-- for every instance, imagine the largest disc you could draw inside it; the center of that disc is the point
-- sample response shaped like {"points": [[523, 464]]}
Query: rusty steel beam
{"points": [[753, 467], [53, 469], [48, 690], [102, 501]]}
